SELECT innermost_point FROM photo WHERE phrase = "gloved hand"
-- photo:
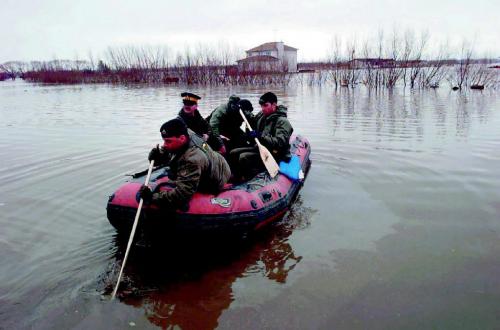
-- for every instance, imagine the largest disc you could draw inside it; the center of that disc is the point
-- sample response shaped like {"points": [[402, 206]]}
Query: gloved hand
{"points": [[253, 134], [155, 154], [146, 194]]}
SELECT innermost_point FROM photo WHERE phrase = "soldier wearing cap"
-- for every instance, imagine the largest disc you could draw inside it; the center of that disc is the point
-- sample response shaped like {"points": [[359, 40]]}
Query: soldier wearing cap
{"points": [[195, 122], [226, 121], [194, 166], [272, 128]]}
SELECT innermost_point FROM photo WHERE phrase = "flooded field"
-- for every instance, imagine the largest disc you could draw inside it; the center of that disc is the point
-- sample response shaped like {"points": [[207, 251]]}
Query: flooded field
{"points": [[397, 225]]}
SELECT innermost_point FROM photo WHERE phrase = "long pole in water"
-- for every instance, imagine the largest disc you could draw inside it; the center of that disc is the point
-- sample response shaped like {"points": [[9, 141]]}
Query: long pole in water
{"points": [[132, 233]]}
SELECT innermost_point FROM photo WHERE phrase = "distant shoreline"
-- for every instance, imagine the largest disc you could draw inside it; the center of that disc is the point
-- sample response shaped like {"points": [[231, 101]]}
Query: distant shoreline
{"points": [[373, 73]]}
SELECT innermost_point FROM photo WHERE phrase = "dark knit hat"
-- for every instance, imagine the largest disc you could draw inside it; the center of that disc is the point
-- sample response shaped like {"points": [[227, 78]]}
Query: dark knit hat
{"points": [[268, 97], [245, 105], [175, 127]]}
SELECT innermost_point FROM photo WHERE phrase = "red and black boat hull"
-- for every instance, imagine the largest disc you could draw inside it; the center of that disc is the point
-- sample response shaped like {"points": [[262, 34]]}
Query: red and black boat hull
{"points": [[241, 208]]}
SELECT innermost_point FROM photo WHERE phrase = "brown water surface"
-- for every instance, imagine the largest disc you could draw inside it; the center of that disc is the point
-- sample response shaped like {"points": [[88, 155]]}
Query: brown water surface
{"points": [[397, 225]]}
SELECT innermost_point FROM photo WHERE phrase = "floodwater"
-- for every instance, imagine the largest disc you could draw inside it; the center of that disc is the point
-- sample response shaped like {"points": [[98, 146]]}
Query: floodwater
{"points": [[397, 225]]}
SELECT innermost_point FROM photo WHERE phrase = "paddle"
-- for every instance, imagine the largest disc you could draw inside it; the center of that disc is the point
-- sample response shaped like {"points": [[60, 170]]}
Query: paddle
{"points": [[267, 158], [132, 233]]}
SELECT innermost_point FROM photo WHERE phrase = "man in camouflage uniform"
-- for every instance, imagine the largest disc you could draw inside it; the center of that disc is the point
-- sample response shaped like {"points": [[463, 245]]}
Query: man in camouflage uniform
{"points": [[226, 121], [195, 122], [272, 128], [194, 166]]}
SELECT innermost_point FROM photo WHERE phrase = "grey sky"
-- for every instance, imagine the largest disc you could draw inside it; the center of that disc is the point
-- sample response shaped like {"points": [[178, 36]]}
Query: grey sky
{"points": [[65, 29]]}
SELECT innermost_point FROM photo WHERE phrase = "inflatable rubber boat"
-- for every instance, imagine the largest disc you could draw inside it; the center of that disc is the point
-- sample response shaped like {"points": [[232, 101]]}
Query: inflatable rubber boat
{"points": [[244, 207]]}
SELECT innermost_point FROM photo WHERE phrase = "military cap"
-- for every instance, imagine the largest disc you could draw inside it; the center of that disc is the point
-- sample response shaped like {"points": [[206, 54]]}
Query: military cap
{"points": [[190, 98], [175, 127]]}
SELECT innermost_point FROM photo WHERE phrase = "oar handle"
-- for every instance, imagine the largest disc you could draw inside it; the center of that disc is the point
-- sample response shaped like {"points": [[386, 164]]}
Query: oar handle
{"points": [[150, 170], [267, 158], [132, 233], [249, 127], [245, 119]]}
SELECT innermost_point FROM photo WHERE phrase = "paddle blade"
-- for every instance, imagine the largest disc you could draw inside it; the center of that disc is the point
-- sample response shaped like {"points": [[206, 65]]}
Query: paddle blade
{"points": [[269, 162]]}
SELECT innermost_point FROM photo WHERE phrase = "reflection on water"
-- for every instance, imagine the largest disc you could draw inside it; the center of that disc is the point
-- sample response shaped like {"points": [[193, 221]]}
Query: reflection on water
{"points": [[175, 280], [395, 227]]}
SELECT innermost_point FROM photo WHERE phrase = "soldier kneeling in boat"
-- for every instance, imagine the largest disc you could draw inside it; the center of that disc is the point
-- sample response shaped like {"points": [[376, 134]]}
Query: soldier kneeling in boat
{"points": [[194, 166], [226, 121]]}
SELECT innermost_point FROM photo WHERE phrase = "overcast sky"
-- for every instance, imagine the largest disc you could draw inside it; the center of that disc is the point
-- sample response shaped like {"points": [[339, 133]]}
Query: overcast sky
{"points": [[67, 29]]}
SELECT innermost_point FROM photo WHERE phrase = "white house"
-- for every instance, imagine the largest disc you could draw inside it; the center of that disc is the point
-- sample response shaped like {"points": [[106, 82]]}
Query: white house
{"points": [[271, 56]]}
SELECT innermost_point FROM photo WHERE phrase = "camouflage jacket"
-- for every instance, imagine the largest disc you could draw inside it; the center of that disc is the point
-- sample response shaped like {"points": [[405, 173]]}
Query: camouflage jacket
{"points": [[224, 122], [275, 131], [194, 168]]}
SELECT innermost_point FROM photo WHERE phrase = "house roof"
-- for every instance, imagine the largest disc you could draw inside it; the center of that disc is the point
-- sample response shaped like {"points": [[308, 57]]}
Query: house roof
{"points": [[258, 58], [269, 46]]}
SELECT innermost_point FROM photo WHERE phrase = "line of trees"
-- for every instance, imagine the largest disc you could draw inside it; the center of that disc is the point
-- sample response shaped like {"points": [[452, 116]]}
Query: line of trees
{"points": [[403, 59], [135, 64], [399, 59]]}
